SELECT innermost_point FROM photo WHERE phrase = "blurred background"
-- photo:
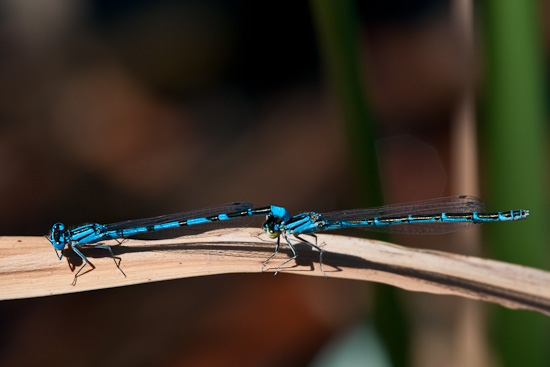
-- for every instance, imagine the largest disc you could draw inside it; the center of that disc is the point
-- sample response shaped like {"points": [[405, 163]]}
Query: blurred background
{"points": [[115, 110]]}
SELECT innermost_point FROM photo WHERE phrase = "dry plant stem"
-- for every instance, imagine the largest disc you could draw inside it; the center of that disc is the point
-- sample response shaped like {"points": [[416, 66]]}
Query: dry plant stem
{"points": [[29, 267]]}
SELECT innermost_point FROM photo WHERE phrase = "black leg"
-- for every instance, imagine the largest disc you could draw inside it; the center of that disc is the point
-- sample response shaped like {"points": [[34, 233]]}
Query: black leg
{"points": [[275, 253], [112, 256], [315, 247], [294, 255], [59, 254], [84, 260]]}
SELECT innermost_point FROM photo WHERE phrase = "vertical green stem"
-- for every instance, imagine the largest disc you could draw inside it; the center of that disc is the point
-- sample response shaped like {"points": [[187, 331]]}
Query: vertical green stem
{"points": [[515, 158], [338, 32], [337, 27]]}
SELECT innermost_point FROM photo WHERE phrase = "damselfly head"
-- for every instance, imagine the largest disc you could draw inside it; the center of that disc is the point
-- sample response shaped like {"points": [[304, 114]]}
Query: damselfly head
{"points": [[271, 227], [58, 237]]}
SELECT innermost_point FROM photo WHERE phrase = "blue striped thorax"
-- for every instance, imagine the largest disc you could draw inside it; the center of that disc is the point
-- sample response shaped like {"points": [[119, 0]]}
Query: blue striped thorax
{"points": [[88, 233]]}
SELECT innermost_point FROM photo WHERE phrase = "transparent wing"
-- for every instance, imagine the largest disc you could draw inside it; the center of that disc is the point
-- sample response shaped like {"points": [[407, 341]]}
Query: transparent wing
{"points": [[450, 204], [422, 228], [190, 229]]}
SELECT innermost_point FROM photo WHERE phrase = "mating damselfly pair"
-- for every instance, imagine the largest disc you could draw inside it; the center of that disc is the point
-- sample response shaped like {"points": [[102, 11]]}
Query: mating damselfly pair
{"points": [[435, 216]]}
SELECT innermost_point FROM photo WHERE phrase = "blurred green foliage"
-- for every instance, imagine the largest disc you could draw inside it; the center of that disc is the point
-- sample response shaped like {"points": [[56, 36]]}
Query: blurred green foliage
{"points": [[515, 164]]}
